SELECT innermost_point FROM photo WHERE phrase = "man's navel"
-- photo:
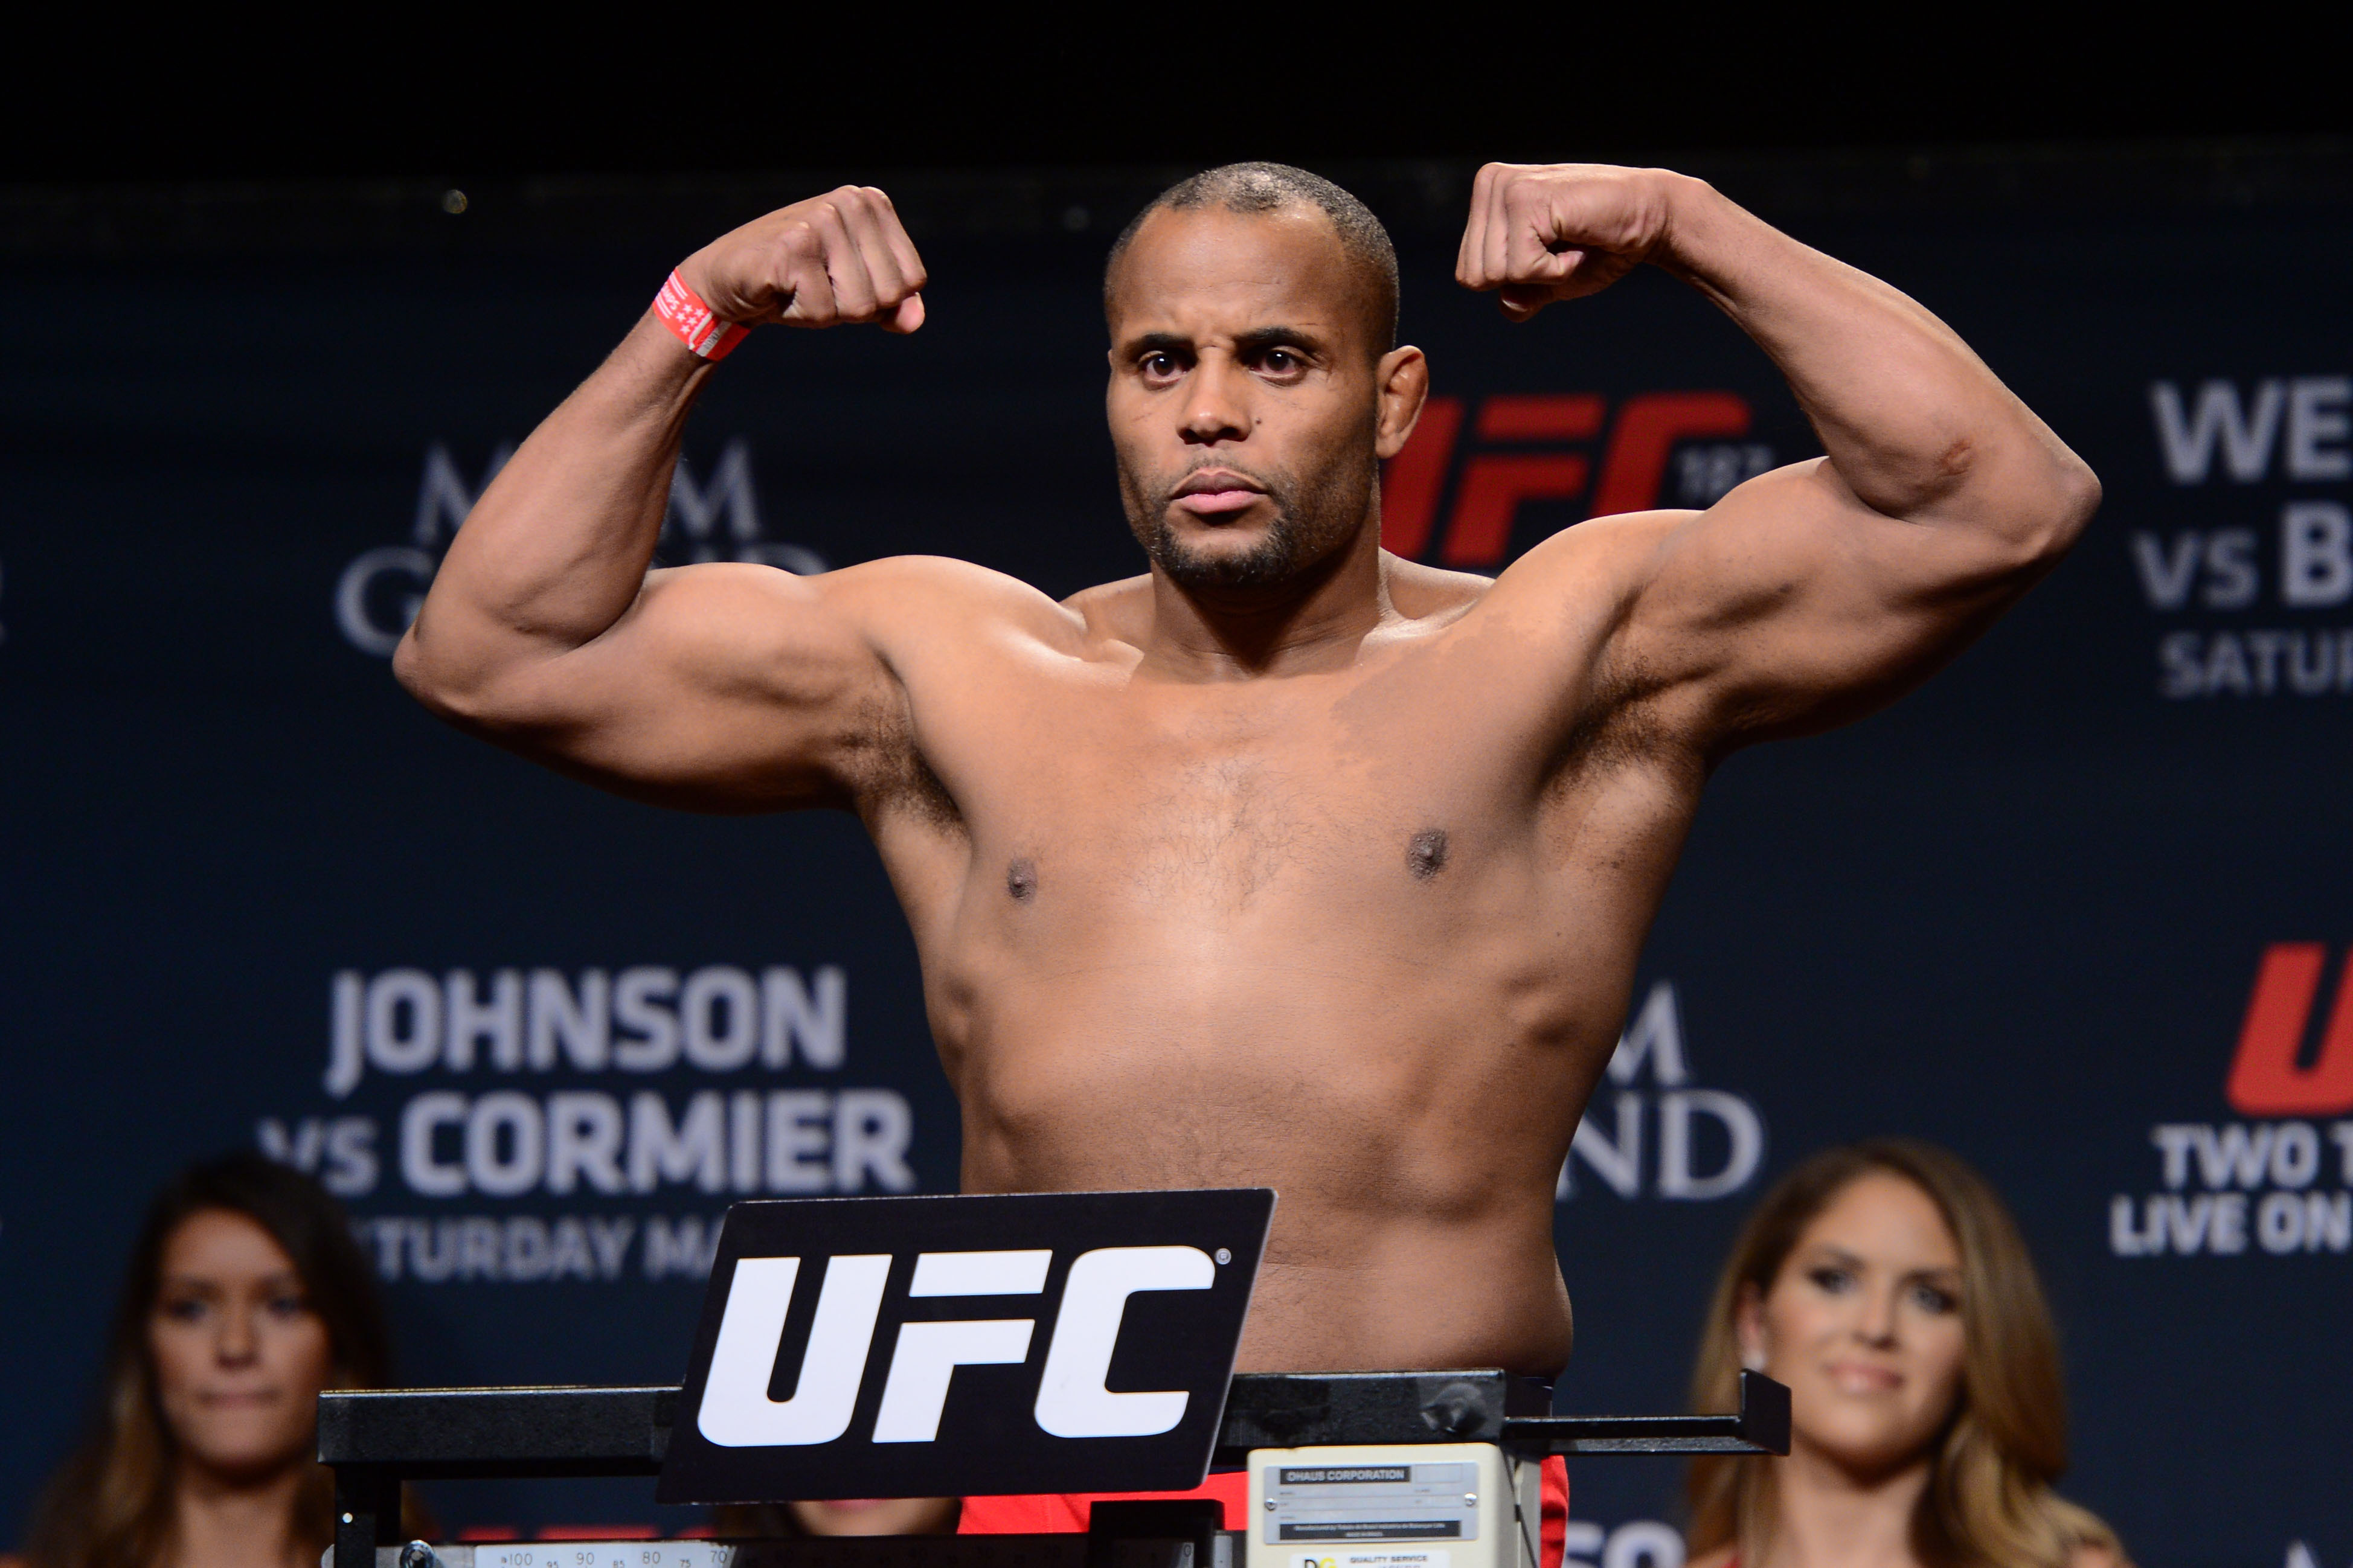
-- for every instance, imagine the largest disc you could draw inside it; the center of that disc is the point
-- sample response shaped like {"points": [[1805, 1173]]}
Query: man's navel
{"points": [[1425, 853], [1021, 879]]}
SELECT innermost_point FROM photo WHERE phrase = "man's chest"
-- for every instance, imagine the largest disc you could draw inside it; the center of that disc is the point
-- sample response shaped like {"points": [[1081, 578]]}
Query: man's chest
{"points": [[1102, 798], [1223, 822]]}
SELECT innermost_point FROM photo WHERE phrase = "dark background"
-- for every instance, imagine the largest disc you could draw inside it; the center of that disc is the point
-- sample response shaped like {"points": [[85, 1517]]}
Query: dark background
{"points": [[2019, 913], [484, 93]]}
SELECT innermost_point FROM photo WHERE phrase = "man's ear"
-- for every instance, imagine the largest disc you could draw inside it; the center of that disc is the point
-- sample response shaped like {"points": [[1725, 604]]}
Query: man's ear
{"points": [[1403, 379]]}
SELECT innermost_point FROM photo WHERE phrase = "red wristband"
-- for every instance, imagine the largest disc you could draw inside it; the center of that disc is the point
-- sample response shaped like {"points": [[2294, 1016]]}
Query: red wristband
{"points": [[684, 313]]}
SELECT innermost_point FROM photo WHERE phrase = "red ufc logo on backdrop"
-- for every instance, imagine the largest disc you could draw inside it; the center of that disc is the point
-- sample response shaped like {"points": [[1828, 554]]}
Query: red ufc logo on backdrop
{"points": [[2270, 1076], [1493, 483]]}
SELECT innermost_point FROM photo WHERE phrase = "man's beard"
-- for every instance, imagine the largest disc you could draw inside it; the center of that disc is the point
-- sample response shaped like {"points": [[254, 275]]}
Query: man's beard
{"points": [[1310, 522]]}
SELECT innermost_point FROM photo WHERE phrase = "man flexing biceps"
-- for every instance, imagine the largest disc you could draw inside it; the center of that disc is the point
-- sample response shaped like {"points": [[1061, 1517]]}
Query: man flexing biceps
{"points": [[1289, 862]]}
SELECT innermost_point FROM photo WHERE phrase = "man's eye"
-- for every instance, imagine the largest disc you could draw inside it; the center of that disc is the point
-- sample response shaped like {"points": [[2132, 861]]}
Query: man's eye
{"points": [[1282, 360], [1159, 366]]}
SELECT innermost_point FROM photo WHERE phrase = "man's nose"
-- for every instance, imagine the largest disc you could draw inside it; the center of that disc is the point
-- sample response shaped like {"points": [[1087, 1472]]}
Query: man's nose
{"points": [[1217, 403]]}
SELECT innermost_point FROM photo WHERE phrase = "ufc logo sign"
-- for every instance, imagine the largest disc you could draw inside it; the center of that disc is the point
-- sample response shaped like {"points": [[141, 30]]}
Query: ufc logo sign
{"points": [[927, 1347], [1072, 1401], [2294, 1060], [1545, 447]]}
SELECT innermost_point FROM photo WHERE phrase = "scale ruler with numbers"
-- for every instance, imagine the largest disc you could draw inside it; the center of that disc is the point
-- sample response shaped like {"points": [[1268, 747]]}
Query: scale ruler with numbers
{"points": [[562, 1554]]}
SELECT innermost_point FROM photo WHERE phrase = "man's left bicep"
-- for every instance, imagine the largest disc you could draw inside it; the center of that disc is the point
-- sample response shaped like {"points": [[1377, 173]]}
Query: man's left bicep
{"points": [[1790, 606]]}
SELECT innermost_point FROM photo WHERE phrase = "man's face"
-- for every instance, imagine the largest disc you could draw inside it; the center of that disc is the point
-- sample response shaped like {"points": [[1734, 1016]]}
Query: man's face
{"points": [[1244, 399]]}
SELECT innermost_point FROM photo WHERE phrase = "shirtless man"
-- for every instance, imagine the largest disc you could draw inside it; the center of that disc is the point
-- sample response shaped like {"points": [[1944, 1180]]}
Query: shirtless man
{"points": [[1289, 863]]}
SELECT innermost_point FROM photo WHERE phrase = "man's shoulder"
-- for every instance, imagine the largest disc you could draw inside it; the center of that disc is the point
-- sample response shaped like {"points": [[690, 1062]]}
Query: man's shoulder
{"points": [[1422, 592], [939, 593], [1602, 559], [943, 575], [1624, 536], [1120, 609]]}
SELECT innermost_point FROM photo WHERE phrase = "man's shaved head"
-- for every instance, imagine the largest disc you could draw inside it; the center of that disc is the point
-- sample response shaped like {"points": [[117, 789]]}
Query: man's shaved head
{"points": [[1271, 187]]}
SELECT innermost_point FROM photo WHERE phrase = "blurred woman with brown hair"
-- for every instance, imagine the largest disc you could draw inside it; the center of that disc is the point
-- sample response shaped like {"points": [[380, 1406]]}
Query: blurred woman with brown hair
{"points": [[246, 1295], [1887, 1285]]}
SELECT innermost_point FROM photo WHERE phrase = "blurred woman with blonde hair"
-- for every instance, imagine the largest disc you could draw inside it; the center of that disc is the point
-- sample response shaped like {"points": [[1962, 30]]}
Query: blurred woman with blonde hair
{"points": [[1887, 1285]]}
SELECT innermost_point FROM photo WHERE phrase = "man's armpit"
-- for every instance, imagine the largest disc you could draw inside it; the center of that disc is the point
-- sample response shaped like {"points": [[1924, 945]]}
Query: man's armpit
{"points": [[885, 769], [1633, 715]]}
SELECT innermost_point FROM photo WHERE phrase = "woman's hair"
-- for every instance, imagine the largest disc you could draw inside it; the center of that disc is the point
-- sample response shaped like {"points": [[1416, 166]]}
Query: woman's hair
{"points": [[1989, 1502], [110, 1505]]}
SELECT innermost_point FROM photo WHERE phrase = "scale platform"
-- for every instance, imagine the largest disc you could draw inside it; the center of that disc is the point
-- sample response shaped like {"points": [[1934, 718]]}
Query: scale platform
{"points": [[375, 1440]]}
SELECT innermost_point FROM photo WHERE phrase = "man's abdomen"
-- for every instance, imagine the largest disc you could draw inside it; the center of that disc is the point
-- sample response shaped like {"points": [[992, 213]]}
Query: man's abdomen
{"points": [[1412, 1115]]}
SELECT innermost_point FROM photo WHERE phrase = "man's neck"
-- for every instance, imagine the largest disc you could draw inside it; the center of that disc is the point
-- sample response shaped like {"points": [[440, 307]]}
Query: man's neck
{"points": [[1314, 622]]}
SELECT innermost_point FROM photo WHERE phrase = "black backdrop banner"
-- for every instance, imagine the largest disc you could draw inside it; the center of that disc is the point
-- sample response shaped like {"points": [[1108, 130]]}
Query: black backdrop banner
{"points": [[2079, 908]]}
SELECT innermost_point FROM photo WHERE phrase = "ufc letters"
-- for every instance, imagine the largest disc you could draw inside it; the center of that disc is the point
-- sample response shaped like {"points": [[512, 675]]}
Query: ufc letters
{"points": [[899, 1347]]}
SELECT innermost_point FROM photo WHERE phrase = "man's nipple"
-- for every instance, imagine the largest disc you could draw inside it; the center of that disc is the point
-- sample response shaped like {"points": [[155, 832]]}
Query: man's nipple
{"points": [[1425, 853], [1021, 879]]}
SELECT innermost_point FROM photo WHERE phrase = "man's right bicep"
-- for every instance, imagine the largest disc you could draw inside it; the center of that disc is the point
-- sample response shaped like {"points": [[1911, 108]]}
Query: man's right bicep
{"points": [[724, 688]]}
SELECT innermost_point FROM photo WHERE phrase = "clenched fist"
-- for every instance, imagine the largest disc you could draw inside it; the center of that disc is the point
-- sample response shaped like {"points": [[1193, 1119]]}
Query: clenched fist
{"points": [[838, 257], [1542, 232]]}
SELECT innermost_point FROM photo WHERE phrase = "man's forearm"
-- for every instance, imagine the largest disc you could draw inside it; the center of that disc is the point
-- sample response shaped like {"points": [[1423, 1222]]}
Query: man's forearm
{"points": [[557, 548], [1911, 419]]}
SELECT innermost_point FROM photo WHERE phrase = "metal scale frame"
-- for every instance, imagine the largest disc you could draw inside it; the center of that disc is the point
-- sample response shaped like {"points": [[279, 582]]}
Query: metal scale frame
{"points": [[375, 1440]]}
